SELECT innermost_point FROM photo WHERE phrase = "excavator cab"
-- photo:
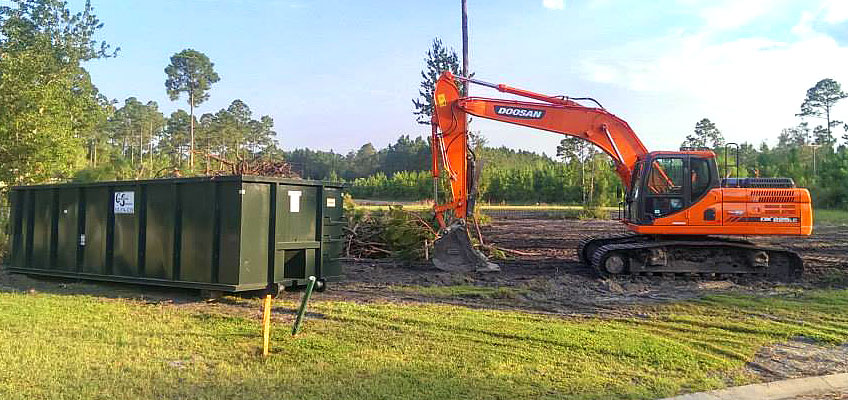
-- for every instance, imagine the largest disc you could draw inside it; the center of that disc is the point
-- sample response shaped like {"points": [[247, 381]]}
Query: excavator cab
{"points": [[665, 183]]}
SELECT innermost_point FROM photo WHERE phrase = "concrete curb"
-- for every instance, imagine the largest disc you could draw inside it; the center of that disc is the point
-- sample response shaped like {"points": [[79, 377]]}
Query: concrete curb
{"points": [[774, 390]]}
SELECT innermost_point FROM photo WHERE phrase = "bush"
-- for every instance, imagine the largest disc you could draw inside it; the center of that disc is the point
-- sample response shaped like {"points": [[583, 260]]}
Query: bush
{"points": [[391, 233]]}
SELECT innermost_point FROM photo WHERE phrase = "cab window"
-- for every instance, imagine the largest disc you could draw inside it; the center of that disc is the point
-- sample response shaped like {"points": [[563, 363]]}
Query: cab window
{"points": [[700, 176], [665, 182], [666, 176]]}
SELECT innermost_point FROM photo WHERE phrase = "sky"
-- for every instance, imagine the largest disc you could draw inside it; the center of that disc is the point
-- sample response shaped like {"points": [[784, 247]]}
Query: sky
{"points": [[337, 74]]}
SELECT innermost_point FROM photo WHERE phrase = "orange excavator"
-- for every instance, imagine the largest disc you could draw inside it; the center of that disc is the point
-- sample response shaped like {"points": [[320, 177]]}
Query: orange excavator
{"points": [[683, 217]]}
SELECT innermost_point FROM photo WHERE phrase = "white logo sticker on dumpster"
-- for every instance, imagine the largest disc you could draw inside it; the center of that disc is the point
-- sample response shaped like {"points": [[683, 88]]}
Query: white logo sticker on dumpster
{"points": [[294, 200], [331, 201], [124, 202]]}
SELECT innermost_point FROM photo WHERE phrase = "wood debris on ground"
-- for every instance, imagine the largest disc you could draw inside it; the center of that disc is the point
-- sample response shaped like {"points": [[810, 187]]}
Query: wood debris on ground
{"points": [[388, 233]]}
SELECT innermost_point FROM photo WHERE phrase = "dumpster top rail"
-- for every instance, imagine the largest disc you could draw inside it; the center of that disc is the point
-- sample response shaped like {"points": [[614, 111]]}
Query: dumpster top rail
{"points": [[221, 178]]}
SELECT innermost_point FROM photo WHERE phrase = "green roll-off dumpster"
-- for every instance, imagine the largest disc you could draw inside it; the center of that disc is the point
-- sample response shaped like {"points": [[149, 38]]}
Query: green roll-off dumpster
{"points": [[229, 233]]}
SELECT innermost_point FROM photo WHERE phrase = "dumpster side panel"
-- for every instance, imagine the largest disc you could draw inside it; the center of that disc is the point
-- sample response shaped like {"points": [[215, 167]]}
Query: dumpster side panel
{"points": [[159, 239], [198, 224], [97, 203], [125, 241], [255, 228], [296, 232], [296, 213], [332, 233], [17, 223], [42, 229], [229, 212], [67, 238]]}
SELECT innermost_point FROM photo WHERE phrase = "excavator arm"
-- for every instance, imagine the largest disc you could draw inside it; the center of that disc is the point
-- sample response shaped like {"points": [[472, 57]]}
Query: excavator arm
{"points": [[555, 114]]}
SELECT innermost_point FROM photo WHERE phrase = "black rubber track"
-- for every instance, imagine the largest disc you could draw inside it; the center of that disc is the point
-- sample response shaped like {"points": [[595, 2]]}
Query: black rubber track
{"points": [[588, 244], [783, 264]]}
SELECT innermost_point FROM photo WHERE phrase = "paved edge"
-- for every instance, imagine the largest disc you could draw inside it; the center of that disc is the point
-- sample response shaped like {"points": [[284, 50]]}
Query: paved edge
{"points": [[774, 390]]}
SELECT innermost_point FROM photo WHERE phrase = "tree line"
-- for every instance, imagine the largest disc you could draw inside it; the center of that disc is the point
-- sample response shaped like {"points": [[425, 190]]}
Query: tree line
{"points": [[581, 174]]}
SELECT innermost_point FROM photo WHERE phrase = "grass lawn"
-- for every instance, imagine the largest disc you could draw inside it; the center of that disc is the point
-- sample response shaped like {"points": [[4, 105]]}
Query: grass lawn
{"points": [[831, 217], [82, 347]]}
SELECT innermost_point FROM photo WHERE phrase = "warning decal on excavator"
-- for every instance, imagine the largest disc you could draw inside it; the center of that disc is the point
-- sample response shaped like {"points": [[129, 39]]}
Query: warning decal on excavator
{"points": [[787, 220], [441, 100]]}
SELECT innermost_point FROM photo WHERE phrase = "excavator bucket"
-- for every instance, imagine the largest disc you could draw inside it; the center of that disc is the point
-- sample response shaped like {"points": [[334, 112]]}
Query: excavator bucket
{"points": [[453, 252]]}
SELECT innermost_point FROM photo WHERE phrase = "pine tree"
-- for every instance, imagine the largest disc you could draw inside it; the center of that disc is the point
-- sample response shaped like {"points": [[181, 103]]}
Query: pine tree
{"points": [[819, 103], [439, 58]]}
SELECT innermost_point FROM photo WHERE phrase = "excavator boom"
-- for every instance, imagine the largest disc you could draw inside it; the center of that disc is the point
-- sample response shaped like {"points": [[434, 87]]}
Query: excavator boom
{"points": [[554, 114]]}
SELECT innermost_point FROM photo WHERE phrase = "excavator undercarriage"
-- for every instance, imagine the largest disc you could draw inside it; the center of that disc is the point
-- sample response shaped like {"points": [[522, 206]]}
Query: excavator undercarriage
{"points": [[704, 256]]}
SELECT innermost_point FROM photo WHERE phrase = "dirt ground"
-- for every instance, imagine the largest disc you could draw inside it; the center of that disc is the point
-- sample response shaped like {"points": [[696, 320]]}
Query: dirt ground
{"points": [[825, 396], [550, 279], [799, 358]]}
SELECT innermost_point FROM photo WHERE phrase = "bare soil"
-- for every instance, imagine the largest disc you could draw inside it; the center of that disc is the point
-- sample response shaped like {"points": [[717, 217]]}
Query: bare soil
{"points": [[825, 396], [798, 358], [550, 279]]}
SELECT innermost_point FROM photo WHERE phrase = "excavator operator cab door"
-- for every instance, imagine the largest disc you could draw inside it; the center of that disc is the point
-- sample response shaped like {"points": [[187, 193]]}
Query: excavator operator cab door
{"points": [[665, 184]]}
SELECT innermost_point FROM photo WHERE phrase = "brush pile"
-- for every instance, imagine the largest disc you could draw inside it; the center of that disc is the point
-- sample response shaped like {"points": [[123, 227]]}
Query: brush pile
{"points": [[279, 169], [390, 233], [256, 166]]}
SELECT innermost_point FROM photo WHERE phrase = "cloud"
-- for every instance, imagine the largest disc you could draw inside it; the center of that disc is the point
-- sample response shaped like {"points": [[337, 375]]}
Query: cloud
{"points": [[734, 13], [835, 11], [751, 85], [553, 4]]}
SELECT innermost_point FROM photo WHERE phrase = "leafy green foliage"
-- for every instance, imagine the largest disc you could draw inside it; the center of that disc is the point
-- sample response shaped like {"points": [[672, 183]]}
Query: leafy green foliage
{"points": [[819, 103], [137, 141], [49, 104], [232, 133], [706, 135], [407, 233], [403, 234], [190, 72]]}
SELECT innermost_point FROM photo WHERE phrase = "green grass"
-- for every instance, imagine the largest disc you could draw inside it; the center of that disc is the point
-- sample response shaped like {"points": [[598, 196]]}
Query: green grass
{"points": [[462, 291], [81, 347], [832, 217]]}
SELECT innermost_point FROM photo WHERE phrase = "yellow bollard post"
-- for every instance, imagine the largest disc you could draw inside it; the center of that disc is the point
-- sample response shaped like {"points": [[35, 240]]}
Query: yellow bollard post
{"points": [[266, 326]]}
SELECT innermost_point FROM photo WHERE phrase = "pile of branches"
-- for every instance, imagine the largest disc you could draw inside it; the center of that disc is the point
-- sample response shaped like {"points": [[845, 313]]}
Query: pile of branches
{"points": [[256, 166], [279, 169], [391, 233]]}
